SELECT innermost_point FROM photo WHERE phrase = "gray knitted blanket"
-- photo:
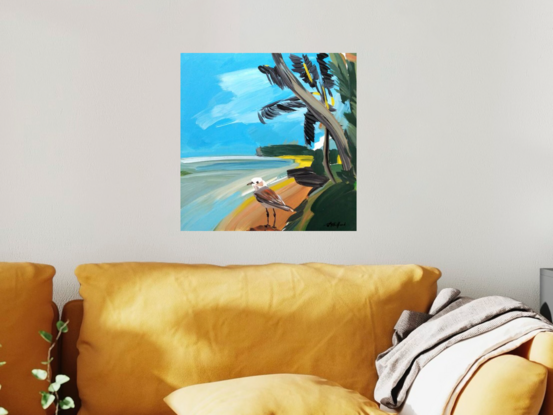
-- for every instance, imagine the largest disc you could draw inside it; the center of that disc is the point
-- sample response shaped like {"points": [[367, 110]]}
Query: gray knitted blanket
{"points": [[419, 337]]}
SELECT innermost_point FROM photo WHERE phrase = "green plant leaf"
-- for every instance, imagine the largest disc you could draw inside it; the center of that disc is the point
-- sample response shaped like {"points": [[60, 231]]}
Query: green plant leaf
{"points": [[54, 387], [47, 399], [67, 403], [3, 411], [48, 361], [45, 335], [62, 326], [39, 374], [61, 379]]}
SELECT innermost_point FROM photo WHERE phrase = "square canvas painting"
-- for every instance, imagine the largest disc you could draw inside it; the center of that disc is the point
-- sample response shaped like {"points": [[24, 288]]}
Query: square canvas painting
{"points": [[268, 142]]}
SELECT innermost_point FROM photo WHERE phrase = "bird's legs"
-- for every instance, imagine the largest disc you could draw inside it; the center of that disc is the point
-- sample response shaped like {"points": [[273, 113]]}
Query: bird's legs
{"points": [[267, 211], [274, 214]]}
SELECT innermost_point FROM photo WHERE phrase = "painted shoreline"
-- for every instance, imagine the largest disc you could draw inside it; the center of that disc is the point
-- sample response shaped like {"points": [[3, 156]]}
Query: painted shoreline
{"points": [[214, 191]]}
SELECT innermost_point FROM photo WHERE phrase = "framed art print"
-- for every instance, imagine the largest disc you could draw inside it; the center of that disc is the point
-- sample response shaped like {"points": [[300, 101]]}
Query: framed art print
{"points": [[268, 142]]}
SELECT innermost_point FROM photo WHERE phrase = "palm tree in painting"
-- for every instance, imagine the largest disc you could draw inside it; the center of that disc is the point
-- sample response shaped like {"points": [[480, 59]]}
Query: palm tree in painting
{"points": [[319, 103]]}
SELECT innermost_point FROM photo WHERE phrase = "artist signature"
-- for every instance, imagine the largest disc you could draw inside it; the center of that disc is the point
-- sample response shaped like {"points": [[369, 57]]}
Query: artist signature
{"points": [[335, 224]]}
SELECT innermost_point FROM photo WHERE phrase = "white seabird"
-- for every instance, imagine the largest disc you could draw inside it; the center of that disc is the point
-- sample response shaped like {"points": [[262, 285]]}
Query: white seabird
{"points": [[268, 198]]}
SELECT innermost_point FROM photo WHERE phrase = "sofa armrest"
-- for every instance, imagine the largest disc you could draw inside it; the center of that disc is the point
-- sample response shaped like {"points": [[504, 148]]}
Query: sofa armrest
{"points": [[540, 350], [506, 385]]}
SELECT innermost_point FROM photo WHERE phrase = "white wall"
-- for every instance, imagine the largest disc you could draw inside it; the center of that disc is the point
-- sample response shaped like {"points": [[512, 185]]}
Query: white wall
{"points": [[455, 133]]}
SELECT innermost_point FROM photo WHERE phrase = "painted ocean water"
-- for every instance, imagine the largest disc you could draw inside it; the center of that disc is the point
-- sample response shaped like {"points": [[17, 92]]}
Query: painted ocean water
{"points": [[213, 187]]}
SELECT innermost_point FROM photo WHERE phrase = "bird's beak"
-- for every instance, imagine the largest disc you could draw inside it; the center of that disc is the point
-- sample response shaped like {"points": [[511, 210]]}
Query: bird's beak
{"points": [[249, 183]]}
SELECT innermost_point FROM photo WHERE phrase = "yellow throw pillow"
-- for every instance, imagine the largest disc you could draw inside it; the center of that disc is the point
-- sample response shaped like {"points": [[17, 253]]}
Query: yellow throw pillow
{"points": [[151, 328], [283, 394], [505, 385], [25, 308]]}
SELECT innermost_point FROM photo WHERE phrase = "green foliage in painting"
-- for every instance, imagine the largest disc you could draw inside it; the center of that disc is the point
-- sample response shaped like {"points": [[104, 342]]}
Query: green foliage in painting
{"points": [[338, 201], [346, 73], [284, 150], [317, 164]]}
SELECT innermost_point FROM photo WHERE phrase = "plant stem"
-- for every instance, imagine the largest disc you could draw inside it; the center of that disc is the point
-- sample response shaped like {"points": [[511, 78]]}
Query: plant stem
{"points": [[48, 368]]}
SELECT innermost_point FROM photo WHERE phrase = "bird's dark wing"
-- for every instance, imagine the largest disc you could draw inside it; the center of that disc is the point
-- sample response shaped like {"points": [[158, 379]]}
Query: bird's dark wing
{"points": [[268, 197]]}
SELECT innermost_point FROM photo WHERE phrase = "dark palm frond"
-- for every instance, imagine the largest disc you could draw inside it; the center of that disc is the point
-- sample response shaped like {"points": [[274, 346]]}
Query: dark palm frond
{"points": [[299, 65], [272, 75], [283, 106], [306, 176], [309, 127], [326, 74], [312, 68]]}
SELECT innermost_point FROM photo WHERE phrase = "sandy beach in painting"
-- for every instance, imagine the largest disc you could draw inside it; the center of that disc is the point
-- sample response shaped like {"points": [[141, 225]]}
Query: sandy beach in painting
{"points": [[251, 215], [215, 194]]}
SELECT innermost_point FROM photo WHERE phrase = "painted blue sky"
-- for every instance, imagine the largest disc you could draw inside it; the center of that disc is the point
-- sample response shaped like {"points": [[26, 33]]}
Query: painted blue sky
{"points": [[221, 94]]}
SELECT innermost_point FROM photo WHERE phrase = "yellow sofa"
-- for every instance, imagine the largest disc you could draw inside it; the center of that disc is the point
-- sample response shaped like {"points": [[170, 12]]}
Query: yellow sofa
{"points": [[25, 308], [145, 330]]}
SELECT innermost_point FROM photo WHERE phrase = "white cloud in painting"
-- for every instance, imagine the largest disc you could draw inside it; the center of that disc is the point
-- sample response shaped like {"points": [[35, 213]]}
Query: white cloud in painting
{"points": [[251, 91], [319, 143]]}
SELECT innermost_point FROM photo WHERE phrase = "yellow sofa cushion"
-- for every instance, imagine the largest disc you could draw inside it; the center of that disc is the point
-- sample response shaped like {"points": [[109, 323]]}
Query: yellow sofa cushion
{"points": [[151, 328], [506, 385], [25, 308], [282, 394]]}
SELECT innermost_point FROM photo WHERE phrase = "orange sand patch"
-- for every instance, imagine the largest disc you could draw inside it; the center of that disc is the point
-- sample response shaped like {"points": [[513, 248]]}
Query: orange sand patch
{"points": [[252, 216]]}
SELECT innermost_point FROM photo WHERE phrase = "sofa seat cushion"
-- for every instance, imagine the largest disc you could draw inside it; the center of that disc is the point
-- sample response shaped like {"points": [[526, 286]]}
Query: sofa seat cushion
{"points": [[25, 309], [280, 394], [506, 385], [149, 328]]}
